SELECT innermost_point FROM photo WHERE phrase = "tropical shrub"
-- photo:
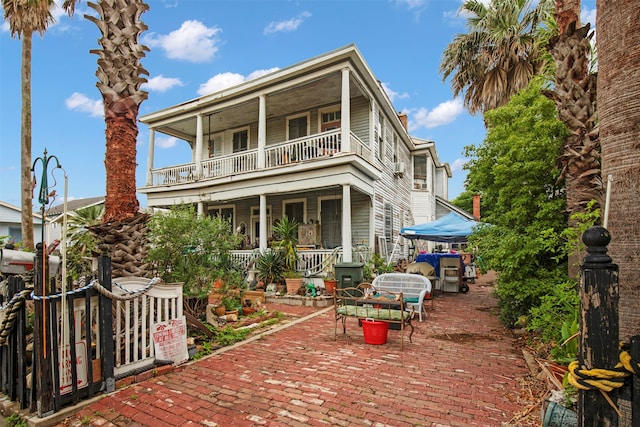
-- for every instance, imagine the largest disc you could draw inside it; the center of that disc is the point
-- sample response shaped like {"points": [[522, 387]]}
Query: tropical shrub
{"points": [[193, 249]]}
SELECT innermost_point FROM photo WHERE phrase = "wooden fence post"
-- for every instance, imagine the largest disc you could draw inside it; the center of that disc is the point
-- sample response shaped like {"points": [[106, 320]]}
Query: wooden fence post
{"points": [[106, 324], [599, 325]]}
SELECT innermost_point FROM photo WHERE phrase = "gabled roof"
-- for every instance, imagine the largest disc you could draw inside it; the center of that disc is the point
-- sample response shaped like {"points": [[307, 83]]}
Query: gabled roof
{"points": [[453, 208], [74, 205], [17, 208]]}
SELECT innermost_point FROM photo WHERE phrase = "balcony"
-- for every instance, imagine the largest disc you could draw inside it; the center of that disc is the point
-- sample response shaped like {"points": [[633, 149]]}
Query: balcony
{"points": [[307, 149]]}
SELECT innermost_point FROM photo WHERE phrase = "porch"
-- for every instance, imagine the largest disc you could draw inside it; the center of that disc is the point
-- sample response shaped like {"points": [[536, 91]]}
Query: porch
{"points": [[306, 149]]}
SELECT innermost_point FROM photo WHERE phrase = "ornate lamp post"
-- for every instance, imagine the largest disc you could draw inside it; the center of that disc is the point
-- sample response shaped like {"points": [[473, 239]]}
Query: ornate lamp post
{"points": [[42, 366]]}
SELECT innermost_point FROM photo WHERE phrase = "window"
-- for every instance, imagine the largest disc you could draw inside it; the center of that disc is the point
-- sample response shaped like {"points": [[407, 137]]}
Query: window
{"points": [[215, 144], [420, 172], [295, 210], [388, 222], [226, 212], [396, 156], [379, 135], [330, 119], [15, 233], [297, 126], [240, 140]]}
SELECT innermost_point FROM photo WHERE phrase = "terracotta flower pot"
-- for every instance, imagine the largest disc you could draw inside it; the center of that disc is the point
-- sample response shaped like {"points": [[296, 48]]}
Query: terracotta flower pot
{"points": [[330, 286], [220, 310], [293, 285]]}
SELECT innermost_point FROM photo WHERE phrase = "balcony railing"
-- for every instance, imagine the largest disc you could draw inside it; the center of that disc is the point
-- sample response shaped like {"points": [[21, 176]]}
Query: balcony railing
{"points": [[313, 147], [306, 148], [234, 164]]}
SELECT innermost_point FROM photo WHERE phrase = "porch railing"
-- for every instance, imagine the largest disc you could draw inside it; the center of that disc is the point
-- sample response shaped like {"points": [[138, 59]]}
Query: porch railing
{"points": [[316, 262], [313, 147], [174, 174], [230, 164]]}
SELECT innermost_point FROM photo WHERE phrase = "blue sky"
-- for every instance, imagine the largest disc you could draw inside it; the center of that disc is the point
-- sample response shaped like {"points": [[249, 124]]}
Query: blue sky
{"points": [[199, 46]]}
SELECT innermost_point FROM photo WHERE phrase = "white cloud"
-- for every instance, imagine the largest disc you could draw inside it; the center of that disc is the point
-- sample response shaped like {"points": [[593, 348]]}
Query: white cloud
{"points": [[162, 84], [410, 4], [84, 104], [166, 142], [443, 114], [286, 26], [192, 42], [457, 164], [392, 94], [589, 16], [224, 80]]}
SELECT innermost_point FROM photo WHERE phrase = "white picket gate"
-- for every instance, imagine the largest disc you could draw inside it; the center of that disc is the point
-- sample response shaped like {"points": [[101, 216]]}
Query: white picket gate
{"points": [[134, 320]]}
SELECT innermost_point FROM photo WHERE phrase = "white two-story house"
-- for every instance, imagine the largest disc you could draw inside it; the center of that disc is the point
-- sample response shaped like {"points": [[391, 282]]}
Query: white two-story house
{"points": [[319, 141]]}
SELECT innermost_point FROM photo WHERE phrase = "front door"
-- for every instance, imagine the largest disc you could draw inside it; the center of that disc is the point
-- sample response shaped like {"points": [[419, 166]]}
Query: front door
{"points": [[331, 223]]}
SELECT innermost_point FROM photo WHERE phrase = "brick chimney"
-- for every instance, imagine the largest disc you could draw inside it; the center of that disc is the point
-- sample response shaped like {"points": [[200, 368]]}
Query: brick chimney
{"points": [[476, 207], [404, 120]]}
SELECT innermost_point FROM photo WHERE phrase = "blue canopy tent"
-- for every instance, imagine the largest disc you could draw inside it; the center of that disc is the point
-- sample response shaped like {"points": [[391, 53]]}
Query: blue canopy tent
{"points": [[450, 228]]}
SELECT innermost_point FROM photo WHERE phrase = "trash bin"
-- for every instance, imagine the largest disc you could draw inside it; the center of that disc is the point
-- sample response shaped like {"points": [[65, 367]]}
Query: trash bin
{"points": [[349, 274]]}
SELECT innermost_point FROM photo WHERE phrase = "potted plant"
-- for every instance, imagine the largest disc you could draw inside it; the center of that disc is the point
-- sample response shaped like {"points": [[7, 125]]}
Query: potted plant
{"points": [[293, 280], [330, 282], [286, 234], [270, 265]]}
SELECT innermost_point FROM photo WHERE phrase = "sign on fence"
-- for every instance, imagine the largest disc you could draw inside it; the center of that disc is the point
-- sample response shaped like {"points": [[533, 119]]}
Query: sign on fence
{"points": [[170, 340], [64, 366]]}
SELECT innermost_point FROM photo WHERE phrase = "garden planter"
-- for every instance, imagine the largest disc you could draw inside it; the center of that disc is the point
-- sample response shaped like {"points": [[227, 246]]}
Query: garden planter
{"points": [[220, 310], [231, 316], [293, 285], [330, 286]]}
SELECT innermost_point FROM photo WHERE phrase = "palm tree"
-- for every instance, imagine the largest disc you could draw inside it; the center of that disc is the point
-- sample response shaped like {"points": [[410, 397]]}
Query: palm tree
{"points": [[119, 74], [618, 29], [82, 245], [119, 79], [500, 53], [26, 17], [574, 94], [575, 97]]}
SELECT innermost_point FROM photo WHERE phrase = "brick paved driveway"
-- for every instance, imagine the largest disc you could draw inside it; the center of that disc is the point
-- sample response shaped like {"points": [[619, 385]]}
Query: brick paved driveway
{"points": [[462, 369]]}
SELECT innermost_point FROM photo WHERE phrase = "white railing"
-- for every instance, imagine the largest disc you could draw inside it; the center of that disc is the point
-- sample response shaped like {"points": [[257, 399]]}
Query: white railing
{"points": [[135, 318], [307, 148], [246, 161], [323, 145], [174, 174], [316, 262]]}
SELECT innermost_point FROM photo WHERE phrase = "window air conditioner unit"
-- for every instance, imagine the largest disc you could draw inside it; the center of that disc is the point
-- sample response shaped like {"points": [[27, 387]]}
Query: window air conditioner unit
{"points": [[398, 168]]}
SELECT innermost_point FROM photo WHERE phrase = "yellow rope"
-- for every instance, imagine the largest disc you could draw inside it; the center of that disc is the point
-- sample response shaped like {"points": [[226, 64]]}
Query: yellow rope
{"points": [[603, 379]]}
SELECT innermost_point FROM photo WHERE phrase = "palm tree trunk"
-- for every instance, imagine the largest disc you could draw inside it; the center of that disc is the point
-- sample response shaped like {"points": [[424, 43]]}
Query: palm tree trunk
{"points": [[25, 144], [619, 111], [120, 164]]}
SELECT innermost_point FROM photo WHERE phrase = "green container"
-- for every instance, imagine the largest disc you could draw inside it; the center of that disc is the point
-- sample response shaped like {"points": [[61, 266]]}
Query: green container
{"points": [[559, 416], [349, 274]]}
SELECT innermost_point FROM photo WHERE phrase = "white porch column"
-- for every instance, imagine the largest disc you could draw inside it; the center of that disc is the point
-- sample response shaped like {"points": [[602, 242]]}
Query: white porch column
{"points": [[200, 209], [152, 144], [198, 154], [346, 223], [263, 222], [262, 131], [345, 121]]}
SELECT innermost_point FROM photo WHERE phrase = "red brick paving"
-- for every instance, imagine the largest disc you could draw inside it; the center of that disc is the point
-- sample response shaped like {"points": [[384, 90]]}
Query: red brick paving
{"points": [[462, 369]]}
